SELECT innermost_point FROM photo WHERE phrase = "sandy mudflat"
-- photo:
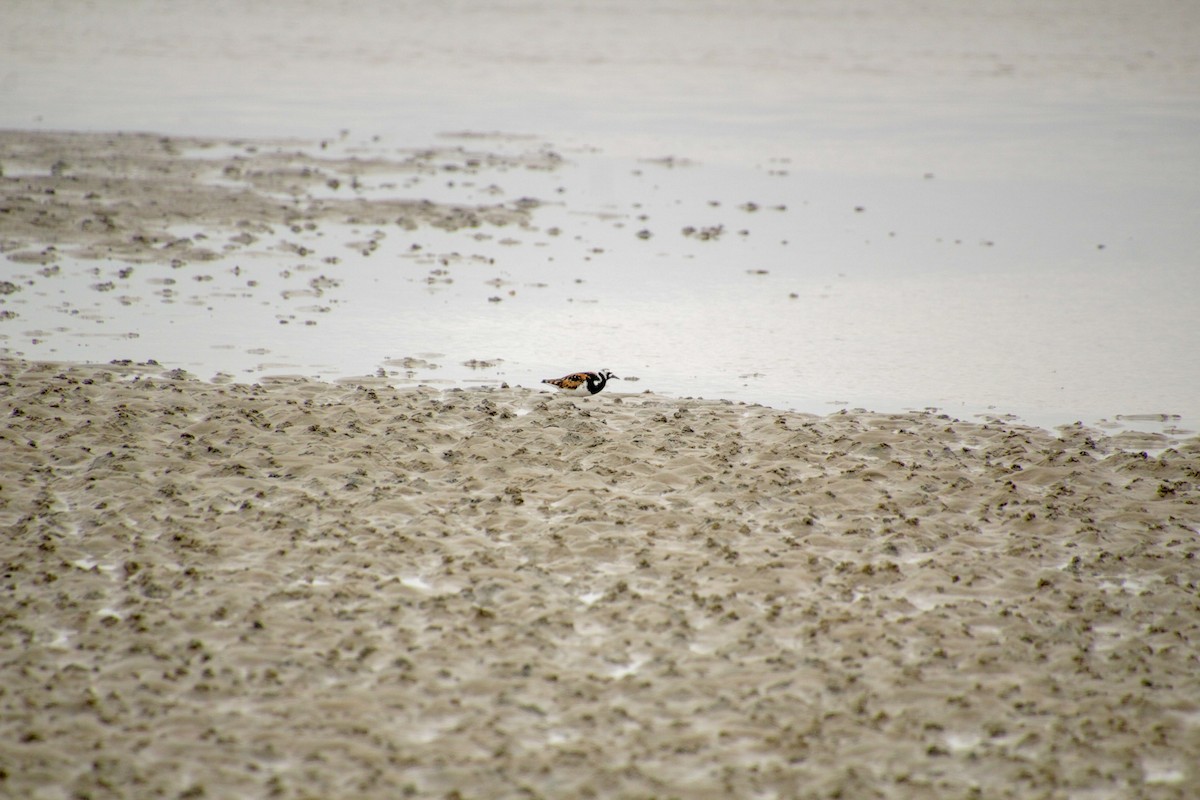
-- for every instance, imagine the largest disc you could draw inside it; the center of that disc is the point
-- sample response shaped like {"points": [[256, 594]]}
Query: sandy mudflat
{"points": [[304, 589], [120, 195]]}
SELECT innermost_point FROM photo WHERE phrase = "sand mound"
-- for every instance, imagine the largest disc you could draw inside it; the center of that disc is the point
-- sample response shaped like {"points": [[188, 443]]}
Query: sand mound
{"points": [[302, 589]]}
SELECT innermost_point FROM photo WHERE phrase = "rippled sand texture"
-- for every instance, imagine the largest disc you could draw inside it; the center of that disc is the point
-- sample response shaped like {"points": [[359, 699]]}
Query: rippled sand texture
{"points": [[303, 589]]}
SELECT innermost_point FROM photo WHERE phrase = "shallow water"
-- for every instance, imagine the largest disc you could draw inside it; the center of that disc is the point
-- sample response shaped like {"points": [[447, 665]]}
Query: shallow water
{"points": [[1003, 225]]}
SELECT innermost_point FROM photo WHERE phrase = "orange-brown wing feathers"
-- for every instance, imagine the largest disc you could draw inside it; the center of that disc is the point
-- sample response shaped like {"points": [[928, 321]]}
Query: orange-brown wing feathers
{"points": [[572, 381]]}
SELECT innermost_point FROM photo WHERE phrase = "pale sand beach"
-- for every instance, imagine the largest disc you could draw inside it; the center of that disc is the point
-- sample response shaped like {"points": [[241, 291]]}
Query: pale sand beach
{"points": [[230, 571], [311, 589]]}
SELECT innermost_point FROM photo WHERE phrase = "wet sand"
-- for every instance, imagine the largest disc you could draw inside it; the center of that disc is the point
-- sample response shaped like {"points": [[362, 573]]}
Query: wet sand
{"points": [[307, 589], [492, 257], [126, 195]]}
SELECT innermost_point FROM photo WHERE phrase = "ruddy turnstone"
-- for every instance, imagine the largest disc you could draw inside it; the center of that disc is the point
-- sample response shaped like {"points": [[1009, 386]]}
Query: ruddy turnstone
{"points": [[582, 382]]}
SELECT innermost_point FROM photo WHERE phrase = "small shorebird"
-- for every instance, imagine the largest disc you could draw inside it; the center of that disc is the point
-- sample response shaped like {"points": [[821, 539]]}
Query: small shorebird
{"points": [[582, 382]]}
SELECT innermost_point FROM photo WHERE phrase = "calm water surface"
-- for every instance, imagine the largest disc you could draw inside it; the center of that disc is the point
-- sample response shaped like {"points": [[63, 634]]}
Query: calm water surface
{"points": [[950, 210]]}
